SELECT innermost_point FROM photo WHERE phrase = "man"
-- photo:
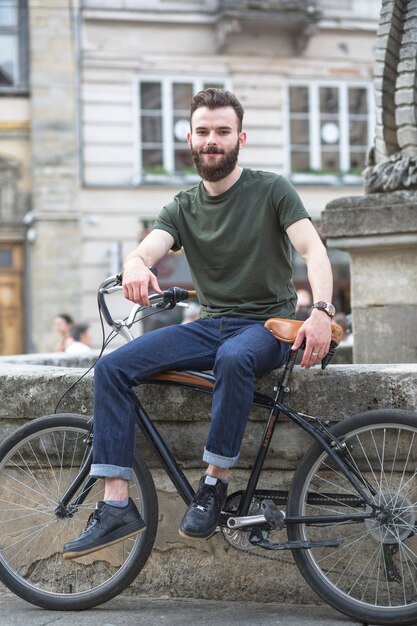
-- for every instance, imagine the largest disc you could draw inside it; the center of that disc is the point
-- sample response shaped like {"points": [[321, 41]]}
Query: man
{"points": [[236, 228]]}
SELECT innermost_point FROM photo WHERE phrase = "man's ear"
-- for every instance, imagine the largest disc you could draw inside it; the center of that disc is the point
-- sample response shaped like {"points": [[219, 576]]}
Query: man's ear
{"points": [[189, 139], [242, 139]]}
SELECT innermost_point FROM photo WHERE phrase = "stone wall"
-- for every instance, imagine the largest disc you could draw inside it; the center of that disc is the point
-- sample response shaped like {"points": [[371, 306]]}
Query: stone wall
{"points": [[200, 569]]}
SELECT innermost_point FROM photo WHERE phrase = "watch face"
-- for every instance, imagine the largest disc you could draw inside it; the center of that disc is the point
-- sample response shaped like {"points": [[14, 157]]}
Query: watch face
{"points": [[325, 306]]}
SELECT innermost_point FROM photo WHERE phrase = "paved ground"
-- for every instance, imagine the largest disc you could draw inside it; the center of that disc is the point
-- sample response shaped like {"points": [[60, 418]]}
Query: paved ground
{"points": [[128, 611]]}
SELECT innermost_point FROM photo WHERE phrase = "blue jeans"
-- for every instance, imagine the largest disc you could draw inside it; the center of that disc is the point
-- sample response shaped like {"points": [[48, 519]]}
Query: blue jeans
{"points": [[237, 350]]}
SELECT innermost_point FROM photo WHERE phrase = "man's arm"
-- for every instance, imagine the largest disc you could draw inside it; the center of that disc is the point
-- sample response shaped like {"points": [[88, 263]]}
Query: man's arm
{"points": [[316, 330], [137, 277]]}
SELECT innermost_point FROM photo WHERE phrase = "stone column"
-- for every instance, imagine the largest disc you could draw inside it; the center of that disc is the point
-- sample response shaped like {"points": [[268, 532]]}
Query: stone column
{"points": [[379, 230], [55, 251], [380, 233]]}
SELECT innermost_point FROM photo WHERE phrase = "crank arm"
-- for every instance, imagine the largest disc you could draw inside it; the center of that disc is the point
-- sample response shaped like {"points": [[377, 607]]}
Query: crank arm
{"points": [[248, 520], [272, 517]]}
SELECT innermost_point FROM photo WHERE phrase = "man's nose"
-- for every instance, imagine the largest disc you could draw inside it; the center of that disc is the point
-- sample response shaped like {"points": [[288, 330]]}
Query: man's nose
{"points": [[212, 138]]}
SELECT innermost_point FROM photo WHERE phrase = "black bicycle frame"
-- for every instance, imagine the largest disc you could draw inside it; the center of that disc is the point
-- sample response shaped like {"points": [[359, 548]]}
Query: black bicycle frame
{"points": [[276, 407]]}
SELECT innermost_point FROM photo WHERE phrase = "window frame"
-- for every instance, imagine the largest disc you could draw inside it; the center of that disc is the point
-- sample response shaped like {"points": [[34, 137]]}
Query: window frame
{"points": [[20, 32], [168, 148], [343, 176]]}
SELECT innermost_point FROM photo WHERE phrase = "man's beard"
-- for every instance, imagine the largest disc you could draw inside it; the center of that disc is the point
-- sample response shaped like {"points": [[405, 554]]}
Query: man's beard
{"points": [[222, 166]]}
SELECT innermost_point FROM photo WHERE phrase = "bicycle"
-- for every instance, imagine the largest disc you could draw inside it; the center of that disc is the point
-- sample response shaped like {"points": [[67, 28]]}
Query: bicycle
{"points": [[350, 512]]}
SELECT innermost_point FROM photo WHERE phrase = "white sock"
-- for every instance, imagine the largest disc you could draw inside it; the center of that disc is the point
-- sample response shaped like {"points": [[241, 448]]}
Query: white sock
{"points": [[212, 480]]}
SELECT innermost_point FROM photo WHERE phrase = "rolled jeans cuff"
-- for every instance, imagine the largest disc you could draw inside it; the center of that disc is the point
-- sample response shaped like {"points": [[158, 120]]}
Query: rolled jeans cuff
{"points": [[221, 461], [111, 471]]}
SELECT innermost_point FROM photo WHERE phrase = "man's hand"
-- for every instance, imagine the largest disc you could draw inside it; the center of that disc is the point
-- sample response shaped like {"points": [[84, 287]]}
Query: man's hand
{"points": [[317, 333], [137, 280], [137, 277]]}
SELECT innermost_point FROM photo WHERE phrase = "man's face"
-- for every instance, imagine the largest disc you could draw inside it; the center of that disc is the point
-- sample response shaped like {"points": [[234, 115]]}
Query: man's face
{"points": [[215, 142]]}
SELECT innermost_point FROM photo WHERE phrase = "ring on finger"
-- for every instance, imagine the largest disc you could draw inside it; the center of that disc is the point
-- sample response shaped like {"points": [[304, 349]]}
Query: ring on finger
{"points": [[315, 353]]}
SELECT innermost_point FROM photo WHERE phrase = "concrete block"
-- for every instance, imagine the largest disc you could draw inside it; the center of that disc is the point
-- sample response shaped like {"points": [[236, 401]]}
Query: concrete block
{"points": [[380, 233], [396, 324]]}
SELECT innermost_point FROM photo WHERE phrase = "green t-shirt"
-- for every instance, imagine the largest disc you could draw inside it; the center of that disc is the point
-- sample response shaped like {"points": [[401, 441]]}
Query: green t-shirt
{"points": [[236, 246]]}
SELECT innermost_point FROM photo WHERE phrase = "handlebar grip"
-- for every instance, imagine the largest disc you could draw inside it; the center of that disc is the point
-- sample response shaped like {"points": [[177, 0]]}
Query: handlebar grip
{"points": [[180, 294], [174, 295]]}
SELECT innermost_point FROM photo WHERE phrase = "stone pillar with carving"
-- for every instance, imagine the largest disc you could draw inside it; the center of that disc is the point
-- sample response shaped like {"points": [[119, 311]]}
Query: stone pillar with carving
{"points": [[379, 229]]}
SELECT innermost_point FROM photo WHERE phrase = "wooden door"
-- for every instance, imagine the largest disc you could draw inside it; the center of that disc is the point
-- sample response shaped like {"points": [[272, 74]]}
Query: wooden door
{"points": [[11, 298]]}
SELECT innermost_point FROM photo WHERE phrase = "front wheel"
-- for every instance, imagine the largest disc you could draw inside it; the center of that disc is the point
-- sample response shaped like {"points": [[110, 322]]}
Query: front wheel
{"points": [[37, 465], [371, 575]]}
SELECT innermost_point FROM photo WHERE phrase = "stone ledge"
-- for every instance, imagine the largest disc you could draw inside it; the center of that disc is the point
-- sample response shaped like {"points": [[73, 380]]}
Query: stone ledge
{"points": [[29, 391], [372, 214], [193, 569], [58, 359]]}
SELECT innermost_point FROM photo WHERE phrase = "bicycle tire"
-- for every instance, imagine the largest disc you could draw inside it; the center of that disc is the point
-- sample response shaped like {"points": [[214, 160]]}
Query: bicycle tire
{"points": [[37, 464], [371, 575]]}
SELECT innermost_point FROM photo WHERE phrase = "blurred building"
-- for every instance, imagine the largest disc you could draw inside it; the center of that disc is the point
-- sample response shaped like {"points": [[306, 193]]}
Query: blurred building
{"points": [[94, 99]]}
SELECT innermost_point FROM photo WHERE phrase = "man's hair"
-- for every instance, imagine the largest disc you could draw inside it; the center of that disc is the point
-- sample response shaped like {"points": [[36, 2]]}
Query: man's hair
{"points": [[215, 98], [77, 330]]}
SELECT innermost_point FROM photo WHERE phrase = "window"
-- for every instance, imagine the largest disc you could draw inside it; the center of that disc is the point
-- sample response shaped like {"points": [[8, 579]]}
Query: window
{"points": [[330, 128], [164, 109], [13, 45]]}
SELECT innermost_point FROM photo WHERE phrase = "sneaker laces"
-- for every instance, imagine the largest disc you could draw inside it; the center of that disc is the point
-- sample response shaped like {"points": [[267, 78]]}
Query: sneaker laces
{"points": [[93, 517], [204, 496]]}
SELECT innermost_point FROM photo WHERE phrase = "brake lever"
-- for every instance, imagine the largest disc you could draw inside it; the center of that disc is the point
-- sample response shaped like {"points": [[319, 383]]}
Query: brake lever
{"points": [[326, 360]]}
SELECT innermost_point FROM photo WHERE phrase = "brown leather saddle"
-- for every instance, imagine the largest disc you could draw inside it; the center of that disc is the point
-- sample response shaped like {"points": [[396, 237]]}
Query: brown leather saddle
{"points": [[286, 330]]}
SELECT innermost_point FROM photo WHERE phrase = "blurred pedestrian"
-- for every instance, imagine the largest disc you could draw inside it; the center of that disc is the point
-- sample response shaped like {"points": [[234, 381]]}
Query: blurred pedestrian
{"points": [[63, 324], [81, 340]]}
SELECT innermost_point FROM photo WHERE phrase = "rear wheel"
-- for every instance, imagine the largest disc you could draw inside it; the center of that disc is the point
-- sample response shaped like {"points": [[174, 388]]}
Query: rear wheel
{"points": [[37, 465], [371, 575]]}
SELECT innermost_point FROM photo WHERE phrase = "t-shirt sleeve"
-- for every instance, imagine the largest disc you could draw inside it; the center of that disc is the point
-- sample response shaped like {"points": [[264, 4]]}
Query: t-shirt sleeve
{"points": [[167, 221], [289, 205]]}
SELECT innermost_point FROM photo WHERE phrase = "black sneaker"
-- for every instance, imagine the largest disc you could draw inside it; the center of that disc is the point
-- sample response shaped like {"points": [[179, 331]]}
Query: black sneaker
{"points": [[202, 516], [107, 525]]}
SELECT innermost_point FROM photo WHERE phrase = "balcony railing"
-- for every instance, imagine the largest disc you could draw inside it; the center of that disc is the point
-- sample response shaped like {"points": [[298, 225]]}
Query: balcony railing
{"points": [[308, 9]]}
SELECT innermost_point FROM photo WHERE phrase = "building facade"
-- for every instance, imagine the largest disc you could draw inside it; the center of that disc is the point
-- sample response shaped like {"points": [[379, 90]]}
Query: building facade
{"points": [[94, 114]]}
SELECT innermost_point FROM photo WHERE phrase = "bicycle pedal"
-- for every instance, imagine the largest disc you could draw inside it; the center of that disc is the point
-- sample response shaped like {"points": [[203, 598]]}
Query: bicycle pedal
{"points": [[274, 517]]}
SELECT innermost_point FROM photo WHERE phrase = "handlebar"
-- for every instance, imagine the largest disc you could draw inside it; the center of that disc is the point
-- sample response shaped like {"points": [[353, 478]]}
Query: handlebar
{"points": [[167, 300]]}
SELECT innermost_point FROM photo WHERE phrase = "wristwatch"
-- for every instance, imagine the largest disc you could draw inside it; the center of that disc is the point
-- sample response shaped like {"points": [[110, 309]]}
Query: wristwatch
{"points": [[327, 307]]}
